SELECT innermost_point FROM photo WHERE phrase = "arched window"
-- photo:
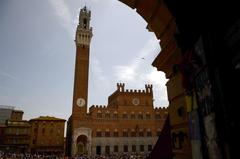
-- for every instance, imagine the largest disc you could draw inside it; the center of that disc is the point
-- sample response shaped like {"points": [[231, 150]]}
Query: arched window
{"points": [[133, 115], [99, 133], [107, 133], [85, 23], [125, 116], [140, 115], [125, 133], [99, 114], [115, 133], [148, 116], [107, 114], [149, 133], [115, 115]]}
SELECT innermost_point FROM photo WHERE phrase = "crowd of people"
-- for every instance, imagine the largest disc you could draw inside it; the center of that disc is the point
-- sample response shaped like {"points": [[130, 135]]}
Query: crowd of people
{"points": [[4, 155], [114, 156], [11, 155]]}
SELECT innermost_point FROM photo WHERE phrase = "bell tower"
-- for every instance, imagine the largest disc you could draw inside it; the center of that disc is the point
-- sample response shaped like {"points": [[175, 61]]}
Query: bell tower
{"points": [[82, 40]]}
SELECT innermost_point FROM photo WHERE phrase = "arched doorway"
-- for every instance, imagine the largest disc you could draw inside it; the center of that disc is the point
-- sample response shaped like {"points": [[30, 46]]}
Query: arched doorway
{"points": [[82, 141]]}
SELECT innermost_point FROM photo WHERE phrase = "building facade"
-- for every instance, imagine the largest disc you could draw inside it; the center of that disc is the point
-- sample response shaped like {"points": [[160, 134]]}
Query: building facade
{"points": [[15, 132], [128, 124], [47, 135]]}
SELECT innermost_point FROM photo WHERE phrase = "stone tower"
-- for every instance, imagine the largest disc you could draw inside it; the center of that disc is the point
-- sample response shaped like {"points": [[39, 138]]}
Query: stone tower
{"points": [[82, 39], [79, 134]]}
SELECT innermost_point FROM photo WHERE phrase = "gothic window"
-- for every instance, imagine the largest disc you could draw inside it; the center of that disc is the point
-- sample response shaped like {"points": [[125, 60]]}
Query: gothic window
{"points": [[149, 133], [140, 116], [107, 115], [132, 116], [99, 134], [148, 116], [125, 115], [115, 133], [141, 134], [107, 133], [125, 133], [133, 134]]}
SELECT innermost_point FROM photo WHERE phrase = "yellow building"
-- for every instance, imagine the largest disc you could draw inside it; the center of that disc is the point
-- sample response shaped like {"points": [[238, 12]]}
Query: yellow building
{"points": [[47, 135]]}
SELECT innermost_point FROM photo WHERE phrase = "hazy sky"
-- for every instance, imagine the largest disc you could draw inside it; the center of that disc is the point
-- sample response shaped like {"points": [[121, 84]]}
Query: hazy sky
{"points": [[37, 54]]}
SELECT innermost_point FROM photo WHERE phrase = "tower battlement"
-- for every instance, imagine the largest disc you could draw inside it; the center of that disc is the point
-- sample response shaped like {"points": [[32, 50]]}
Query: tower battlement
{"points": [[84, 31], [85, 11], [161, 108], [121, 88], [97, 107]]}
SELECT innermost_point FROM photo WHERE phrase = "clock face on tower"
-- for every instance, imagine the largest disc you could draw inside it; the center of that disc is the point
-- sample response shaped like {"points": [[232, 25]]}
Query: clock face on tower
{"points": [[135, 101], [80, 102]]}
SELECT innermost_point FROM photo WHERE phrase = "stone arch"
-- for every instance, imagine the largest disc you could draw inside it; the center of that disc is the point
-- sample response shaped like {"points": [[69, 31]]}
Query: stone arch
{"points": [[162, 23], [82, 138], [82, 141], [155, 13]]}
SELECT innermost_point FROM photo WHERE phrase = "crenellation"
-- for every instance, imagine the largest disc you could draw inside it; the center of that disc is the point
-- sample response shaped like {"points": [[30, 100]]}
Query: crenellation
{"points": [[161, 109], [120, 87], [98, 107], [148, 88]]}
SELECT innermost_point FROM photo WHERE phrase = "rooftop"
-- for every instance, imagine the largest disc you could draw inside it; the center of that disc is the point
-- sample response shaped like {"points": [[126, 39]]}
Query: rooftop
{"points": [[48, 118]]}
